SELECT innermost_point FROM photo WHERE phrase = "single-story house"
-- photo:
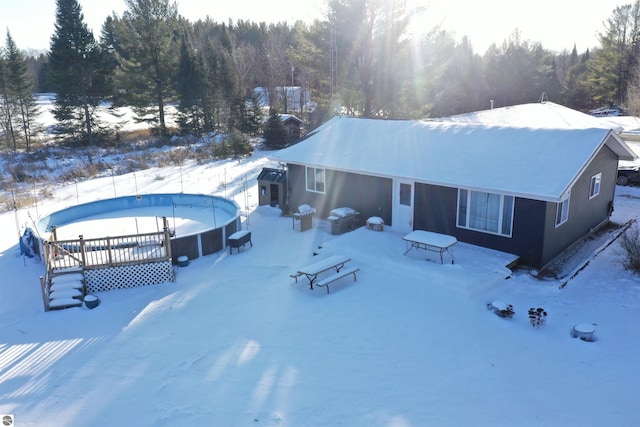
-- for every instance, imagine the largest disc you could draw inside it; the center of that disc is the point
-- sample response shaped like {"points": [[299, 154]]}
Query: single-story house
{"points": [[532, 191]]}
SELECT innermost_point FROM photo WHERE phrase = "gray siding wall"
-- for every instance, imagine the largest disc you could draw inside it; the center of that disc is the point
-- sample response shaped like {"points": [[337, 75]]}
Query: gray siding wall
{"points": [[435, 210], [584, 213], [535, 239], [369, 195]]}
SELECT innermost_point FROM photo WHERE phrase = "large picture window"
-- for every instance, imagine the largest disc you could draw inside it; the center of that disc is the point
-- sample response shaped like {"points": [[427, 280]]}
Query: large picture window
{"points": [[562, 210], [315, 180], [488, 212]]}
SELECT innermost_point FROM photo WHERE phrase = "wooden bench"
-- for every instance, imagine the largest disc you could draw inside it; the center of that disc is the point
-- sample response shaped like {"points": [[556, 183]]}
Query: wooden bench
{"points": [[296, 275], [239, 239], [337, 276]]}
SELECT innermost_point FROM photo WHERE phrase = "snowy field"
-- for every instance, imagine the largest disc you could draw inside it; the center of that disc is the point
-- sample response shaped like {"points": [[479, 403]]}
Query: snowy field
{"points": [[235, 341]]}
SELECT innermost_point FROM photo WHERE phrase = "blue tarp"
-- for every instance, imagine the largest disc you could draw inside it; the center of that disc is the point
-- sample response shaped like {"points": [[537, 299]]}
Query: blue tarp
{"points": [[28, 244]]}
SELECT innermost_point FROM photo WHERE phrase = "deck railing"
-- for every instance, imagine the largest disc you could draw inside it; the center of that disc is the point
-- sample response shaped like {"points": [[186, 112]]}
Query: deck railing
{"points": [[107, 251], [62, 256]]}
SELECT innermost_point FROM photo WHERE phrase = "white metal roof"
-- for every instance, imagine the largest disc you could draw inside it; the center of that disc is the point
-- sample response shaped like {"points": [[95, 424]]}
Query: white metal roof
{"points": [[531, 162]]}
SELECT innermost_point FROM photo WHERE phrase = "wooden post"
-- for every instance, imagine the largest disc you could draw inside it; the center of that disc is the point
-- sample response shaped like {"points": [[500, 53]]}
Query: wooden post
{"points": [[45, 297], [167, 236], [54, 231], [83, 254], [109, 251]]}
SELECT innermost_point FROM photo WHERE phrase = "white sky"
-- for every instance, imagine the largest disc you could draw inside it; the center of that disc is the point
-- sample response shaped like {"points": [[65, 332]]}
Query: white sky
{"points": [[557, 24]]}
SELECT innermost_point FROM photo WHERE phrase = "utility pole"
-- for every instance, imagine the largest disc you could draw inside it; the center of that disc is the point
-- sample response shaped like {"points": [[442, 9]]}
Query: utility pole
{"points": [[333, 52]]}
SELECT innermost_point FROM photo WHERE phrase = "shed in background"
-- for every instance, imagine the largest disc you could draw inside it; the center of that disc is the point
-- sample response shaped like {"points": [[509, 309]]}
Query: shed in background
{"points": [[272, 187]]}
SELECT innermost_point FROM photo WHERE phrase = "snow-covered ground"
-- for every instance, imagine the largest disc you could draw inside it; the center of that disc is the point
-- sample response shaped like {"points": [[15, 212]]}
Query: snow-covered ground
{"points": [[235, 341]]}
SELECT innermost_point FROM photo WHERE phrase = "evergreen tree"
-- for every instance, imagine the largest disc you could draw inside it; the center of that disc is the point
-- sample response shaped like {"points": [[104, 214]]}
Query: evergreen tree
{"points": [[519, 72], [274, 135], [610, 68], [6, 112], [190, 82], [251, 115], [310, 53], [207, 81], [370, 35], [77, 71], [20, 93], [575, 93], [455, 77], [148, 46]]}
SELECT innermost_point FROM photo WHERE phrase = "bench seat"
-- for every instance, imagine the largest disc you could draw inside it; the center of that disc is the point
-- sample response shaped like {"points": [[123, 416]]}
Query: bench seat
{"points": [[337, 276], [239, 239]]}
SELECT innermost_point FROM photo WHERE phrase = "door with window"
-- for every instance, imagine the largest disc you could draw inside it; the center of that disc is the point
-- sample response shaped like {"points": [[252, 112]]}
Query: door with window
{"points": [[403, 205]]}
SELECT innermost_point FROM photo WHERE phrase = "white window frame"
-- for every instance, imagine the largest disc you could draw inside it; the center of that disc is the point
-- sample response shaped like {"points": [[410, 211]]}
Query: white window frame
{"points": [[562, 210], [463, 213], [594, 185], [313, 184], [404, 191]]}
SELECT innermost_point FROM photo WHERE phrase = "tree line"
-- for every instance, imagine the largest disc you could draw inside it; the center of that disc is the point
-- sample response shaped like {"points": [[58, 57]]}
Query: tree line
{"points": [[359, 59]]}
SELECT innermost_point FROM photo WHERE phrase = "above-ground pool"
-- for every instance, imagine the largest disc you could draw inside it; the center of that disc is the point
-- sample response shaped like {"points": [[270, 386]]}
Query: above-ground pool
{"points": [[199, 223]]}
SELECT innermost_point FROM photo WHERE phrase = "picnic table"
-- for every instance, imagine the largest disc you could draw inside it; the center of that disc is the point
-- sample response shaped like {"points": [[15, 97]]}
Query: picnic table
{"points": [[332, 262], [430, 241]]}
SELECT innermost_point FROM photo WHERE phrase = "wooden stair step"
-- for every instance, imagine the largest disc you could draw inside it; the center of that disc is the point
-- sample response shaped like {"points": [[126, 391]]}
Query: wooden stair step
{"points": [[64, 303], [65, 293], [66, 285], [66, 277]]}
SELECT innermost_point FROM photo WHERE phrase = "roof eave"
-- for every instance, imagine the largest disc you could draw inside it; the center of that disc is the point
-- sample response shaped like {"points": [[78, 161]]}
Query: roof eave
{"points": [[623, 151]]}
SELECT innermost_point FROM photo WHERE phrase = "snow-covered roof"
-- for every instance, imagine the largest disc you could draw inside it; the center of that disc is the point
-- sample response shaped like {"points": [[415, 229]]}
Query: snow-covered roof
{"points": [[537, 115], [531, 162], [624, 123], [285, 117]]}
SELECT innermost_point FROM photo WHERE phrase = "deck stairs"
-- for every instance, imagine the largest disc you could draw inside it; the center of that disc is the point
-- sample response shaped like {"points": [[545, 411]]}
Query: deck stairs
{"points": [[63, 288]]}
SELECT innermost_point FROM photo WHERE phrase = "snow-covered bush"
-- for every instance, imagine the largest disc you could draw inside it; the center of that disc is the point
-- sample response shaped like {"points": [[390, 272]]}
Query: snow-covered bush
{"points": [[631, 246], [501, 309]]}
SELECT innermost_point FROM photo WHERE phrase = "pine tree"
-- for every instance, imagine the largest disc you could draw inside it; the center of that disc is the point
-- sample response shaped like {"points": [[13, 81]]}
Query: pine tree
{"points": [[20, 85], [189, 86], [371, 38], [148, 46], [610, 67], [78, 71], [274, 135], [6, 110]]}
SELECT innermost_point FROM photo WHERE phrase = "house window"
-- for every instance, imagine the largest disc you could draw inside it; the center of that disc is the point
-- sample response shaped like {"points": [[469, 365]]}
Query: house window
{"points": [[594, 188], [405, 194], [315, 180], [562, 210], [487, 212]]}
